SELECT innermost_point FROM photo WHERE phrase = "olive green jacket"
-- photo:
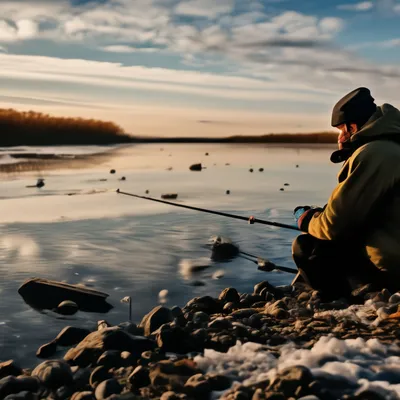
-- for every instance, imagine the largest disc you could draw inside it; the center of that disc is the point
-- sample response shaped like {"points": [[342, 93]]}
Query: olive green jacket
{"points": [[364, 208]]}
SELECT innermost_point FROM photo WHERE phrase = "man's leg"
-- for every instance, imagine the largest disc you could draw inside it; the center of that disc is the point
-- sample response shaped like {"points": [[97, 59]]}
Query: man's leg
{"points": [[327, 266]]}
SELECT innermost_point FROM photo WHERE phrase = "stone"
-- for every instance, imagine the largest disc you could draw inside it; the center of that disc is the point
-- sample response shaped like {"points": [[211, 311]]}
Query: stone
{"points": [[229, 295], [288, 380], [47, 350], [244, 313], [8, 385], [22, 395], [219, 383], [99, 374], [170, 396], [46, 294], [173, 373], [206, 304], [28, 383], [251, 169], [81, 378], [70, 336], [198, 386], [196, 167], [103, 324], [277, 293], [67, 307], [53, 374], [368, 395], [223, 250], [261, 169], [107, 388], [8, 368], [169, 196], [155, 318], [110, 359], [139, 377], [83, 396], [229, 307], [112, 171], [200, 317], [220, 324], [108, 339]]}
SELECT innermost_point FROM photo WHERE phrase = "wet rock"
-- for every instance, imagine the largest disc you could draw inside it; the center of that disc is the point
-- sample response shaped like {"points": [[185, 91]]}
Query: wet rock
{"points": [[155, 318], [394, 299], [290, 379], [172, 373], [171, 396], [8, 368], [147, 192], [228, 192], [81, 378], [282, 189], [123, 178], [99, 374], [71, 335], [261, 170], [83, 396], [67, 307], [286, 184], [229, 295], [220, 324], [244, 313], [174, 339], [28, 383], [219, 383], [103, 324], [139, 377], [107, 388], [112, 171], [277, 293], [169, 196], [8, 385], [223, 250], [229, 307], [198, 386], [205, 304], [110, 359], [53, 374], [47, 350], [251, 170], [23, 395], [108, 339], [46, 294], [196, 167]]}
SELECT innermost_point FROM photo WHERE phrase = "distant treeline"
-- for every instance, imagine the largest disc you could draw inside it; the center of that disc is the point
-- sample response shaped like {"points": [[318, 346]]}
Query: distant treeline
{"points": [[319, 138], [37, 129]]}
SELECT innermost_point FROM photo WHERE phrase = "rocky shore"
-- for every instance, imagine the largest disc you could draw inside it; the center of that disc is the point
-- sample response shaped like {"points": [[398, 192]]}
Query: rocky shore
{"points": [[275, 343]]}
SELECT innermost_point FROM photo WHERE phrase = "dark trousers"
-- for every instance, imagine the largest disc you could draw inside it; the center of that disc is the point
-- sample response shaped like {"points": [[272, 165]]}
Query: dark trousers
{"points": [[333, 268]]}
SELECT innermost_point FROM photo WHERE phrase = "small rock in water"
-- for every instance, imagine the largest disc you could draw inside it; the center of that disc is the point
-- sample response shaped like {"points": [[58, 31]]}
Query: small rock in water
{"points": [[196, 167], [223, 249], [123, 178], [261, 169], [112, 171], [169, 196], [67, 307], [197, 283], [282, 189], [286, 184], [297, 166], [218, 274], [228, 192], [162, 296], [47, 350], [147, 192], [40, 183], [206, 154], [251, 170]]}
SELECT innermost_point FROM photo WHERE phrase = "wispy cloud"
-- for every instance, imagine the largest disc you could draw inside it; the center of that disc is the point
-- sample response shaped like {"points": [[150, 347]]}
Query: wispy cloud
{"points": [[204, 8], [362, 6], [128, 49]]}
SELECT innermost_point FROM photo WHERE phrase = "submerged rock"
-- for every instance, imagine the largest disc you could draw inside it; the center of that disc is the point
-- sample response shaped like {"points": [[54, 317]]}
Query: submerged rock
{"points": [[223, 249], [196, 167], [46, 294], [169, 196], [67, 307]]}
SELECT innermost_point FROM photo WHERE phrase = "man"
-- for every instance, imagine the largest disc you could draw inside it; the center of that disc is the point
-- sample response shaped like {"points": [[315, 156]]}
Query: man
{"points": [[355, 238]]}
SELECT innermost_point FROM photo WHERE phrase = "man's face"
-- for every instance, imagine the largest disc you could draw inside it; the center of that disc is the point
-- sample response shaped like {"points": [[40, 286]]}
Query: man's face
{"points": [[345, 133]]}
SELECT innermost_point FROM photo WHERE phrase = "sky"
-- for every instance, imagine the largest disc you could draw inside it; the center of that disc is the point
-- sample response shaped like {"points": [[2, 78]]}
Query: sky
{"points": [[198, 67]]}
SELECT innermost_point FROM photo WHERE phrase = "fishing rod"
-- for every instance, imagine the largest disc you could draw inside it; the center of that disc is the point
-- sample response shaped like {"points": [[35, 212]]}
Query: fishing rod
{"points": [[251, 220], [266, 265]]}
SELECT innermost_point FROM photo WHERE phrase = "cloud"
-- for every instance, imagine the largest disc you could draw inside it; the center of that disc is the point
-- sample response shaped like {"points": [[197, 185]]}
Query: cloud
{"points": [[128, 49], [20, 30], [362, 6], [204, 8]]}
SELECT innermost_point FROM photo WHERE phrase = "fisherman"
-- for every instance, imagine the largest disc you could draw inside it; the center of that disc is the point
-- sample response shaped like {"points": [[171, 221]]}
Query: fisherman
{"points": [[355, 239]]}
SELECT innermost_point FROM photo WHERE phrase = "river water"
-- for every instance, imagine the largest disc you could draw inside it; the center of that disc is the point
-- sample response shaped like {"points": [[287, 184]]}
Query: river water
{"points": [[79, 230]]}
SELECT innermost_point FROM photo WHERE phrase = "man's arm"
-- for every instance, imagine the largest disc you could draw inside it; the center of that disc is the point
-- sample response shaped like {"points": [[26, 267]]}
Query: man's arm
{"points": [[353, 200]]}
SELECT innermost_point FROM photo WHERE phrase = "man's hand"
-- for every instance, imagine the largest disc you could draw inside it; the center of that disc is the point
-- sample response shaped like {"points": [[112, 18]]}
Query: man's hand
{"points": [[303, 215]]}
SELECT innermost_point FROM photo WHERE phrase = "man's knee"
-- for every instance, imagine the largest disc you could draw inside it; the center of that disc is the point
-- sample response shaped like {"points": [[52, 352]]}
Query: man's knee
{"points": [[303, 246]]}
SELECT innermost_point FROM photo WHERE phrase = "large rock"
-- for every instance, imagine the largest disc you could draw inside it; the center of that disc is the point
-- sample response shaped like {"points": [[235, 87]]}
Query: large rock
{"points": [[71, 335], [108, 339], [223, 250], [139, 378], [290, 379], [47, 350], [172, 373], [9, 368], [205, 304], [46, 294], [229, 295], [198, 386], [155, 318], [107, 388], [53, 374]]}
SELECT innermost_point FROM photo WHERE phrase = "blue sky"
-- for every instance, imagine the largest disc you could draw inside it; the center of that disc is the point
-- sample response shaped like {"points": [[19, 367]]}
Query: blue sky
{"points": [[159, 67]]}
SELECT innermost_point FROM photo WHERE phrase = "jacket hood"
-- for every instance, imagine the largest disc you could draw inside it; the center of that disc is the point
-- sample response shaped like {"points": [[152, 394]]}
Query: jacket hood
{"points": [[384, 122]]}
